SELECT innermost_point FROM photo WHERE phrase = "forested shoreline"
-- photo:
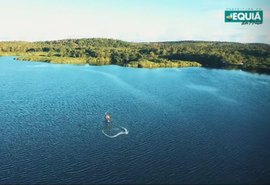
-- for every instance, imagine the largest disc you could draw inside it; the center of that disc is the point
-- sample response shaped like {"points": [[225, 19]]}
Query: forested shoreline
{"points": [[97, 51]]}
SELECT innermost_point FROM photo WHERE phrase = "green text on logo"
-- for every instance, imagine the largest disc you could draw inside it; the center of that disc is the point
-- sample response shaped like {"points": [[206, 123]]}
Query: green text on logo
{"points": [[245, 17]]}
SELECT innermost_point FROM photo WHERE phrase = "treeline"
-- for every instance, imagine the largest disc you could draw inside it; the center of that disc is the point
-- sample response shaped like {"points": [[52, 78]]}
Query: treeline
{"points": [[252, 57]]}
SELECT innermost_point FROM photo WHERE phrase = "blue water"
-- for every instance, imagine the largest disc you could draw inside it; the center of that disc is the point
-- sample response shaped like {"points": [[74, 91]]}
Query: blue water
{"points": [[188, 125]]}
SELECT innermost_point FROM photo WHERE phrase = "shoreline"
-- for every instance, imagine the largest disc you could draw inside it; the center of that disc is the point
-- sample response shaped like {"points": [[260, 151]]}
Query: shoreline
{"points": [[152, 68], [218, 55]]}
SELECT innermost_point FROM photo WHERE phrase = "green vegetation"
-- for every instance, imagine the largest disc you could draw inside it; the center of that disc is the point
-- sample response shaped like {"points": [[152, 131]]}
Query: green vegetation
{"points": [[251, 57], [164, 63]]}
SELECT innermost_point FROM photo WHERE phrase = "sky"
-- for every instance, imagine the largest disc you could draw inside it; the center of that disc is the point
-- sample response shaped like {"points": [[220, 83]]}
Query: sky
{"points": [[129, 20]]}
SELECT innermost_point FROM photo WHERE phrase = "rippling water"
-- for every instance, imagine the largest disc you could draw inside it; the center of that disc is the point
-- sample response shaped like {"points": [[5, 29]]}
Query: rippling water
{"points": [[190, 125]]}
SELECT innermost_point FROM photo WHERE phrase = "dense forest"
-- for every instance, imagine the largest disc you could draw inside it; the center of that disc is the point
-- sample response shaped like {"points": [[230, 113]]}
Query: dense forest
{"points": [[96, 51]]}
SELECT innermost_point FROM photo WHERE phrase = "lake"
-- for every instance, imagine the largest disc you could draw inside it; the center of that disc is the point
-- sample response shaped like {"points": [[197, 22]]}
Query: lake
{"points": [[178, 125]]}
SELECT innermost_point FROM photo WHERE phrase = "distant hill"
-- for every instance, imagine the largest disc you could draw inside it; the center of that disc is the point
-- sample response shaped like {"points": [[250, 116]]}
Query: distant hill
{"points": [[100, 51]]}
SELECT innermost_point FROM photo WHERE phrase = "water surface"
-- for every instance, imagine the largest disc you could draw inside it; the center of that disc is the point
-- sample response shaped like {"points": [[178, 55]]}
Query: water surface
{"points": [[188, 125]]}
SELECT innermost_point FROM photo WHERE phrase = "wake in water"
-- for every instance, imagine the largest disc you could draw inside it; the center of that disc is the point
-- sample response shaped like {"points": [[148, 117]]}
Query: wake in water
{"points": [[114, 131]]}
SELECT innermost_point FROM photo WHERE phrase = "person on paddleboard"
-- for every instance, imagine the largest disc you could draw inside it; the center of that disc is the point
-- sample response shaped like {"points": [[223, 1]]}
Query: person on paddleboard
{"points": [[107, 118]]}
